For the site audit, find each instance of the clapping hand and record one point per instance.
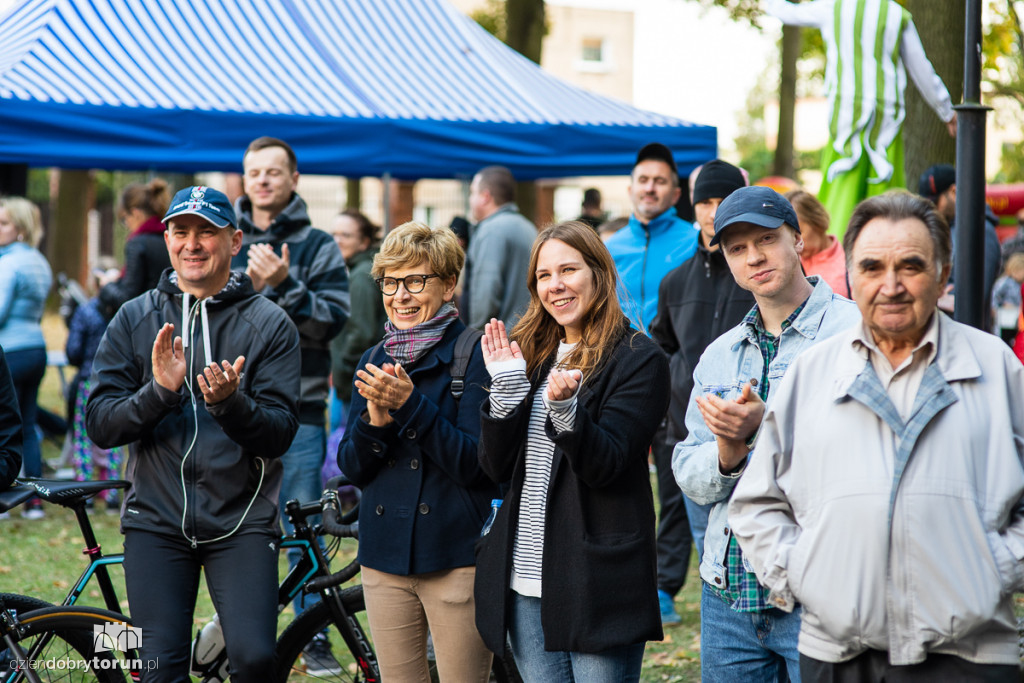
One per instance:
(385, 388)
(495, 344)
(265, 267)
(220, 381)
(732, 423)
(168, 359)
(562, 384)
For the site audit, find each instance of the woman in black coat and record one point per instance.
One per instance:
(568, 570)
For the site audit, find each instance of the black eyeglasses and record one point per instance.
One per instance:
(414, 284)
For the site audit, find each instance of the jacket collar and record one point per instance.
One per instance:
(294, 217)
(657, 226)
(955, 358)
(806, 324)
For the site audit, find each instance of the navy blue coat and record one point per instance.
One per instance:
(425, 497)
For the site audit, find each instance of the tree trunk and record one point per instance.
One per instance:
(524, 27)
(790, 52)
(524, 33)
(926, 140)
(67, 250)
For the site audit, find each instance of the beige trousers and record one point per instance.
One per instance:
(401, 608)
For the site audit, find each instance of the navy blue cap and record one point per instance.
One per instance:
(936, 180)
(213, 205)
(759, 205)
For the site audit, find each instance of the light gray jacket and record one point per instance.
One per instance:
(496, 264)
(900, 537)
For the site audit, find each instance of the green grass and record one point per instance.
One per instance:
(43, 559)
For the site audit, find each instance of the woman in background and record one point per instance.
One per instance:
(141, 207)
(25, 281)
(356, 238)
(569, 569)
(823, 254)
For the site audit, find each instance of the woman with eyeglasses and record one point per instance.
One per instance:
(411, 446)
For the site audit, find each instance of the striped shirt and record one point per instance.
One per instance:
(509, 387)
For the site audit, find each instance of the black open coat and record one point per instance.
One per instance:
(600, 568)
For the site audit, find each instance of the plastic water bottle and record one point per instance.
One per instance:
(207, 649)
(495, 504)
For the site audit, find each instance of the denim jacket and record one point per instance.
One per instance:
(729, 362)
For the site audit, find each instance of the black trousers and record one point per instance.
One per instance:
(873, 667)
(674, 538)
(162, 578)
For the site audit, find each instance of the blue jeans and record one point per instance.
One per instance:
(537, 665)
(754, 647)
(698, 516)
(27, 369)
(301, 480)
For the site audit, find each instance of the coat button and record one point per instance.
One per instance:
(391, 462)
(380, 509)
(410, 433)
(753, 382)
(415, 464)
(718, 580)
(375, 447)
(725, 531)
(424, 508)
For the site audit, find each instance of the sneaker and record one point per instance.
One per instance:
(668, 609)
(319, 659)
(33, 510)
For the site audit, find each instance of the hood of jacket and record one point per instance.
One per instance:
(294, 217)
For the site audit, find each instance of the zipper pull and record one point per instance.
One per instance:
(195, 543)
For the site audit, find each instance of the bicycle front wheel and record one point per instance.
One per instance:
(300, 659)
(61, 644)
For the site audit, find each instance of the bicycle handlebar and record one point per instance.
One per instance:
(341, 527)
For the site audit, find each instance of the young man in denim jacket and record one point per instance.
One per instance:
(743, 637)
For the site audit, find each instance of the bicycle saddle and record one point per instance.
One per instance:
(67, 493)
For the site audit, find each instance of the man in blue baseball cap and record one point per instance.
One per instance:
(744, 636)
(202, 374)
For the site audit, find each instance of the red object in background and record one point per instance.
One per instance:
(780, 184)
(1005, 200)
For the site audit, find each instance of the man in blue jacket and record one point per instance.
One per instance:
(654, 242)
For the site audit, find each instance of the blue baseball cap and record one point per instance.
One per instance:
(759, 205)
(213, 205)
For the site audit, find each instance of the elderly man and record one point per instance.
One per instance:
(744, 637)
(885, 491)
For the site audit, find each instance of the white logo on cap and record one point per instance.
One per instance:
(198, 192)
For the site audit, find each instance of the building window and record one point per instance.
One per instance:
(593, 50)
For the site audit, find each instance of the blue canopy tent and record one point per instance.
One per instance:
(359, 87)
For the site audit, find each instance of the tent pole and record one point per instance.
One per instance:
(386, 179)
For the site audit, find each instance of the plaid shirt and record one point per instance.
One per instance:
(742, 591)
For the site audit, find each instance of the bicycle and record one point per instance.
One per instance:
(43, 642)
(337, 611)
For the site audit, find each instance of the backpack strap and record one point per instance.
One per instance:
(468, 339)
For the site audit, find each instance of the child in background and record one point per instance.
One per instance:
(87, 326)
(1006, 297)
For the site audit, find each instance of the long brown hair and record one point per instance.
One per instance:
(603, 322)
